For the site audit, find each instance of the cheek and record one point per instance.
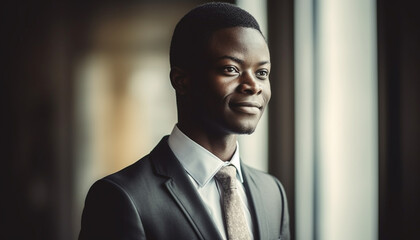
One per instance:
(220, 88)
(267, 92)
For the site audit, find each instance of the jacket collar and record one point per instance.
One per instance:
(182, 191)
(199, 163)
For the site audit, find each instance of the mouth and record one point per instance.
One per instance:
(251, 108)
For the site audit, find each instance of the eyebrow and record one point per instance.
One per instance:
(240, 61)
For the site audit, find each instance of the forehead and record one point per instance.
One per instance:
(238, 42)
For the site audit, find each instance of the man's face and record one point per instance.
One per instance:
(233, 89)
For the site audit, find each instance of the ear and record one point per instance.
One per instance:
(180, 80)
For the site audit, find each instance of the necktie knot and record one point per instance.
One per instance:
(227, 177)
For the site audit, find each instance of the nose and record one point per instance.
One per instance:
(249, 84)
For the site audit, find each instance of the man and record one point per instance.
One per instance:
(193, 184)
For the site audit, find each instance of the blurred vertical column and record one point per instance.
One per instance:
(305, 119)
(281, 116)
(399, 118)
(336, 120)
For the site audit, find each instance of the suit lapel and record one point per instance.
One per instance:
(256, 203)
(182, 191)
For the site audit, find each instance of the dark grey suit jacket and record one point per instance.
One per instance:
(154, 199)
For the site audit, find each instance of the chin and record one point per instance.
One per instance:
(243, 128)
(234, 125)
(248, 131)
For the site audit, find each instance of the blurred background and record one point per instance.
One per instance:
(86, 92)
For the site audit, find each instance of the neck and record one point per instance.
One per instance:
(221, 145)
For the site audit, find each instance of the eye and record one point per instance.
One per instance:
(262, 74)
(230, 70)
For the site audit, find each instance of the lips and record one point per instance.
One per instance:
(246, 107)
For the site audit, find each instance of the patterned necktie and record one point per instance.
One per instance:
(236, 225)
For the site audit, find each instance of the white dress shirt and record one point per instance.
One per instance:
(201, 166)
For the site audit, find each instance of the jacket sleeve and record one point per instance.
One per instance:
(110, 213)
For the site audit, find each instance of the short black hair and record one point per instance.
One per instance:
(193, 31)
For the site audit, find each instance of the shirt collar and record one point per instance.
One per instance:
(199, 163)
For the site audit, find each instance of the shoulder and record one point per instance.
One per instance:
(138, 171)
(143, 177)
(110, 212)
(122, 182)
(136, 180)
